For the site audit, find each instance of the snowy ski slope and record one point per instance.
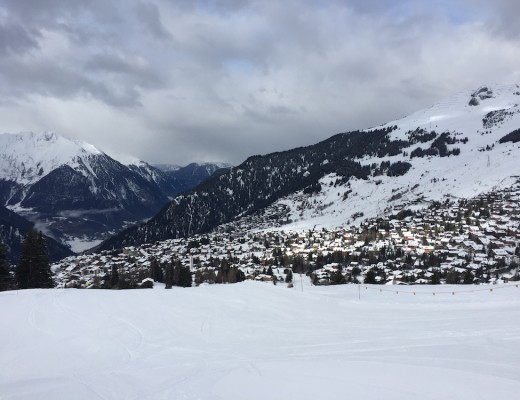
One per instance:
(259, 341)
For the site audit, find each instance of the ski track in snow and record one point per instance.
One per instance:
(259, 341)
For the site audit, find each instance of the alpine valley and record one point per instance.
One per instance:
(79, 195)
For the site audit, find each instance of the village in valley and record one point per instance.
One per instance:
(457, 241)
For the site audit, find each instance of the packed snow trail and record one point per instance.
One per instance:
(259, 341)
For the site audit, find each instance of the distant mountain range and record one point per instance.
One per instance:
(457, 148)
(78, 194)
(188, 177)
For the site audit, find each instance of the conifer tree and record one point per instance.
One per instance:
(43, 270)
(468, 278)
(185, 278)
(232, 275)
(370, 277)
(337, 278)
(156, 272)
(176, 281)
(220, 276)
(168, 276)
(6, 280)
(435, 279)
(288, 277)
(224, 266)
(23, 271)
(33, 269)
(114, 277)
(241, 277)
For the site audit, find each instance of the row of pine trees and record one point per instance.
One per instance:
(33, 269)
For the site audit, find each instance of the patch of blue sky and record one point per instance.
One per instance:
(239, 66)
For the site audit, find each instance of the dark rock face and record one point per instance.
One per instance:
(167, 186)
(7, 190)
(482, 93)
(474, 101)
(182, 179)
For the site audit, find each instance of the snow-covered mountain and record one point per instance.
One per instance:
(476, 120)
(71, 188)
(26, 157)
(459, 147)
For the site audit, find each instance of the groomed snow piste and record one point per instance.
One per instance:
(259, 341)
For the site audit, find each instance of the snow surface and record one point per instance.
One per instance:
(127, 160)
(259, 341)
(26, 157)
(80, 244)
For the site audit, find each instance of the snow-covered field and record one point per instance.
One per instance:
(259, 341)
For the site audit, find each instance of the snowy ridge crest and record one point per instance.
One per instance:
(26, 157)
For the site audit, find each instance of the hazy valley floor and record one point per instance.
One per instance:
(259, 341)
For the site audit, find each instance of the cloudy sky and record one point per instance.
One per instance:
(220, 80)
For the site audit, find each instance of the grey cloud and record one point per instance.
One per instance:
(23, 79)
(150, 18)
(136, 70)
(224, 79)
(216, 6)
(29, 10)
(502, 16)
(15, 38)
(80, 50)
(84, 22)
(42, 12)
